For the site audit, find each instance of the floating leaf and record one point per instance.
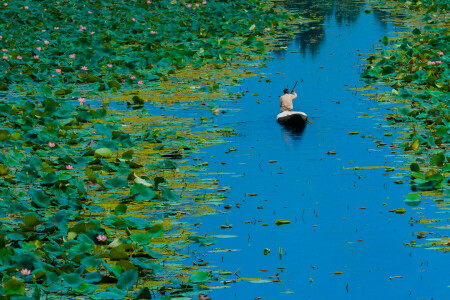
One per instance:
(103, 153)
(14, 287)
(199, 277)
(127, 279)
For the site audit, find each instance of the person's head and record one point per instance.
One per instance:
(286, 91)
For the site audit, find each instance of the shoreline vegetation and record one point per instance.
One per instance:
(417, 67)
(92, 199)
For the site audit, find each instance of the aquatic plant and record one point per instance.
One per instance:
(107, 44)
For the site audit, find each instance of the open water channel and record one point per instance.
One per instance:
(340, 219)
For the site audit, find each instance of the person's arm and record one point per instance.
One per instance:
(294, 95)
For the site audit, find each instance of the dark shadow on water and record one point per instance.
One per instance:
(295, 132)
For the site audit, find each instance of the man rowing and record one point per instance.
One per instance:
(286, 100)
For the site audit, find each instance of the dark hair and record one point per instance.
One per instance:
(286, 91)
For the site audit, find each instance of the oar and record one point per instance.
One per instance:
(294, 86)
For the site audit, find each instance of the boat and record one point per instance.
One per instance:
(292, 118)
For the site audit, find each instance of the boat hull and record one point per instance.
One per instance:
(292, 118)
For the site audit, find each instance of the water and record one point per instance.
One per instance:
(339, 216)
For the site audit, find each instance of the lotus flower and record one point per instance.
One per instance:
(51, 145)
(101, 238)
(84, 68)
(69, 167)
(81, 100)
(25, 272)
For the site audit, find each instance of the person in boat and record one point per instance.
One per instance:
(286, 100)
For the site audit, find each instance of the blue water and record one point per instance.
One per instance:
(310, 188)
(340, 219)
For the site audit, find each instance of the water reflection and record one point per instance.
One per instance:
(293, 132)
(345, 12)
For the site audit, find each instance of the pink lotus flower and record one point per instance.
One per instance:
(51, 145)
(438, 62)
(43, 30)
(92, 32)
(84, 68)
(441, 53)
(5, 57)
(140, 82)
(81, 100)
(189, 5)
(152, 32)
(26, 7)
(431, 63)
(133, 19)
(25, 272)
(72, 55)
(109, 65)
(82, 28)
(39, 48)
(46, 42)
(5, 4)
(5, 50)
(56, 28)
(58, 71)
(69, 167)
(19, 57)
(36, 56)
(90, 12)
(267, 29)
(101, 238)
(204, 2)
(133, 77)
(197, 4)
(1, 37)
(149, 1)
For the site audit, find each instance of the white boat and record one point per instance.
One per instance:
(292, 118)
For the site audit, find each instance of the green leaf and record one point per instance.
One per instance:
(103, 153)
(140, 238)
(120, 209)
(4, 170)
(91, 175)
(282, 222)
(128, 155)
(4, 135)
(14, 287)
(413, 199)
(116, 182)
(168, 194)
(156, 230)
(199, 277)
(40, 199)
(144, 293)
(414, 167)
(72, 280)
(157, 181)
(145, 193)
(127, 279)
